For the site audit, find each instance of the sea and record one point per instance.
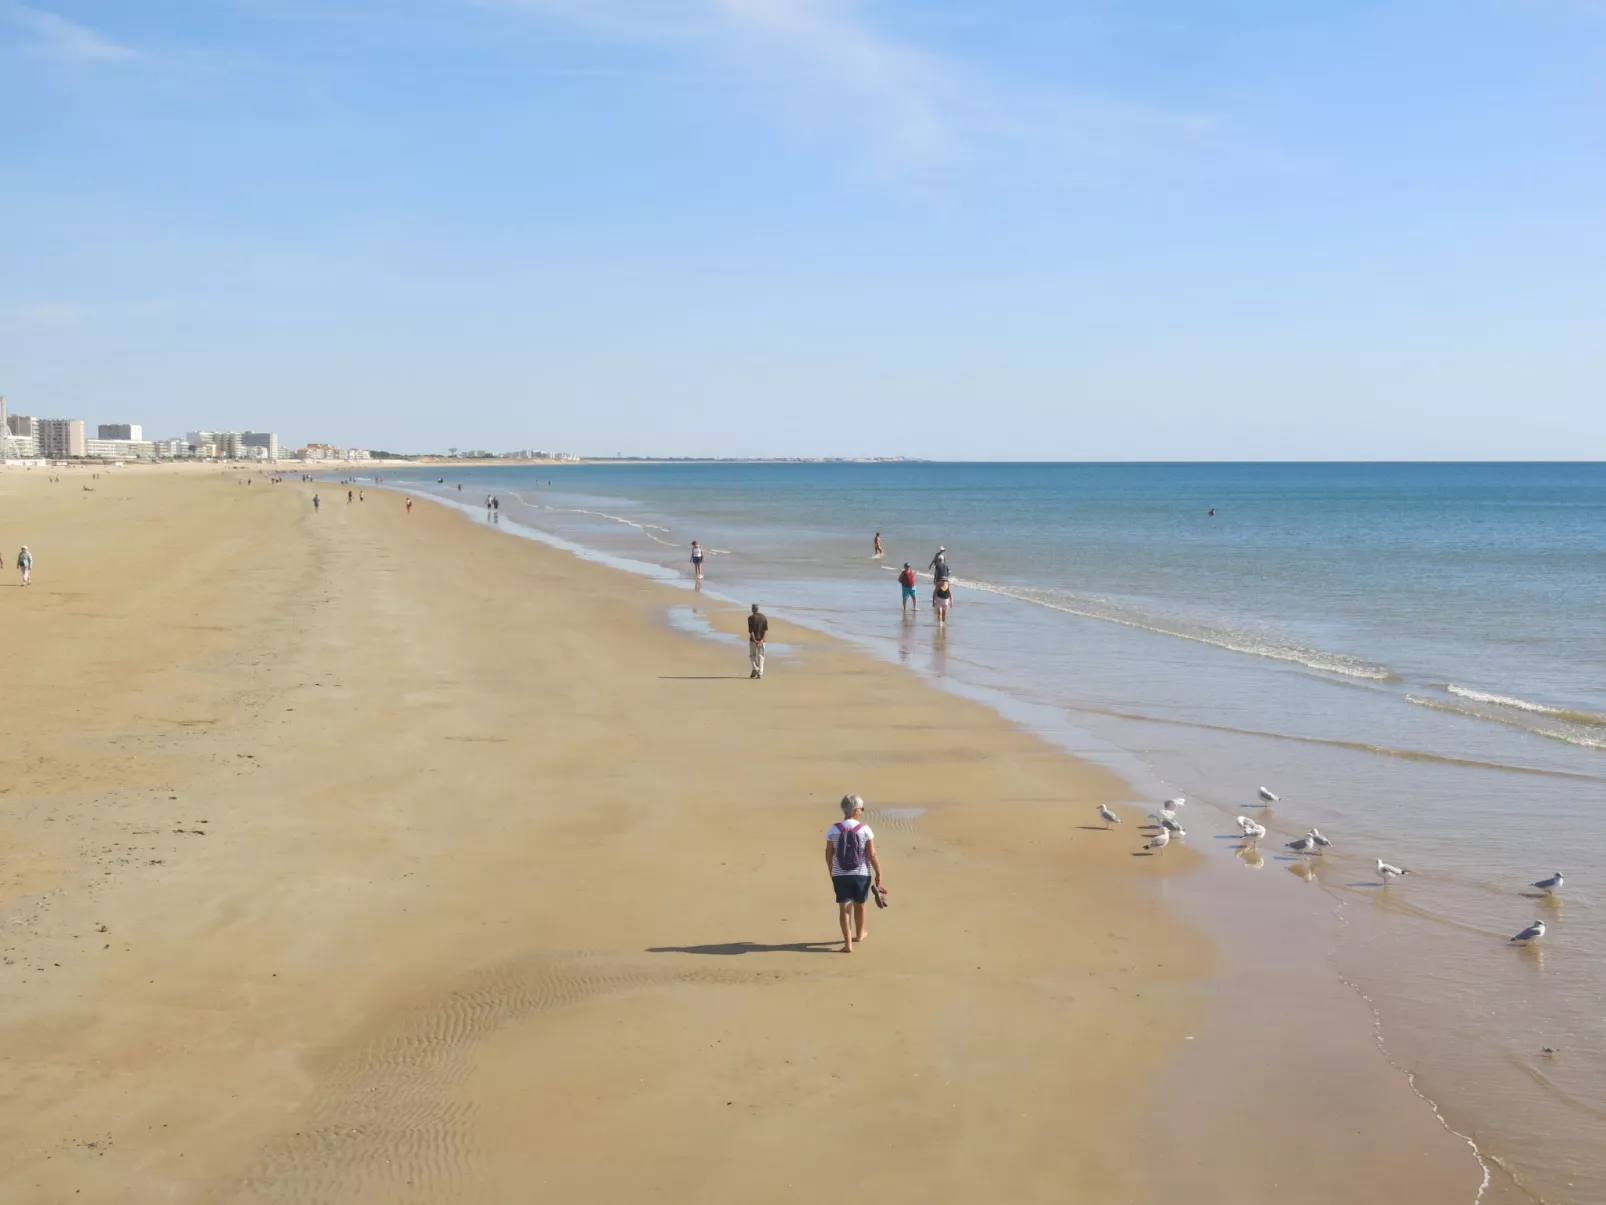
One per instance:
(1412, 657)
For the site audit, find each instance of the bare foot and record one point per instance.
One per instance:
(861, 937)
(846, 949)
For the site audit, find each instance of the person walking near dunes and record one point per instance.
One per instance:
(850, 857)
(906, 580)
(25, 565)
(697, 560)
(758, 626)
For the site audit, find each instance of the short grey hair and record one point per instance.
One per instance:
(851, 804)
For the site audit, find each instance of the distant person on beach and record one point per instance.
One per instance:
(906, 580)
(878, 549)
(942, 597)
(316, 502)
(409, 506)
(1212, 512)
(349, 498)
(25, 565)
(850, 858)
(758, 626)
(939, 565)
(697, 561)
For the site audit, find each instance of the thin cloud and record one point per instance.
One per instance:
(825, 52)
(65, 40)
(42, 313)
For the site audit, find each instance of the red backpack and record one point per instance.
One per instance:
(906, 578)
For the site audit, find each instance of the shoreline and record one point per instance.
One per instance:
(351, 859)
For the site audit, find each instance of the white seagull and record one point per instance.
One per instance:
(1303, 846)
(1532, 933)
(1266, 796)
(1108, 816)
(1252, 831)
(1159, 841)
(1389, 872)
(1173, 804)
(1550, 884)
(1316, 836)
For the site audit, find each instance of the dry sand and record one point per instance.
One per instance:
(371, 857)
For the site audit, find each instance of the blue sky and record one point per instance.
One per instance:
(1150, 229)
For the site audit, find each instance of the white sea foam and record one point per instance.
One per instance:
(1566, 713)
(1236, 642)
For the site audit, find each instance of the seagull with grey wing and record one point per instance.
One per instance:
(1532, 933)
(1552, 884)
(1159, 841)
(1390, 872)
(1267, 797)
(1251, 830)
(1322, 843)
(1303, 847)
(1108, 816)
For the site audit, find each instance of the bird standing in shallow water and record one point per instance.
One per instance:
(1532, 933)
(1322, 843)
(1303, 846)
(1267, 797)
(1550, 884)
(1389, 872)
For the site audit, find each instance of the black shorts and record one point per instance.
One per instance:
(851, 888)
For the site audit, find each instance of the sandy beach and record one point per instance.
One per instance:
(365, 856)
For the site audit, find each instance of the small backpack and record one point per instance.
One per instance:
(850, 847)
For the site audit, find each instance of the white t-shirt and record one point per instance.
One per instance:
(836, 863)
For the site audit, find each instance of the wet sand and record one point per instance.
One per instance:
(374, 857)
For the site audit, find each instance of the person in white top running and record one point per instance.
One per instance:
(850, 856)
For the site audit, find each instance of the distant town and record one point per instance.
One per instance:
(25, 439)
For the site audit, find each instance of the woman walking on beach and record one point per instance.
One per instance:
(942, 596)
(25, 565)
(850, 858)
(697, 559)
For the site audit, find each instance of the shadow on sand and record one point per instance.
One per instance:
(752, 947)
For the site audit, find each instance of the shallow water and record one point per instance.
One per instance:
(1412, 656)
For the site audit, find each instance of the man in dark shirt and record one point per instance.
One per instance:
(757, 625)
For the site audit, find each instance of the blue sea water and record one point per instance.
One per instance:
(1412, 655)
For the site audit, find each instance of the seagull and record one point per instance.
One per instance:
(1171, 826)
(1252, 831)
(1266, 796)
(1389, 872)
(1108, 816)
(1550, 884)
(1159, 841)
(1177, 802)
(1303, 846)
(1316, 836)
(1532, 933)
